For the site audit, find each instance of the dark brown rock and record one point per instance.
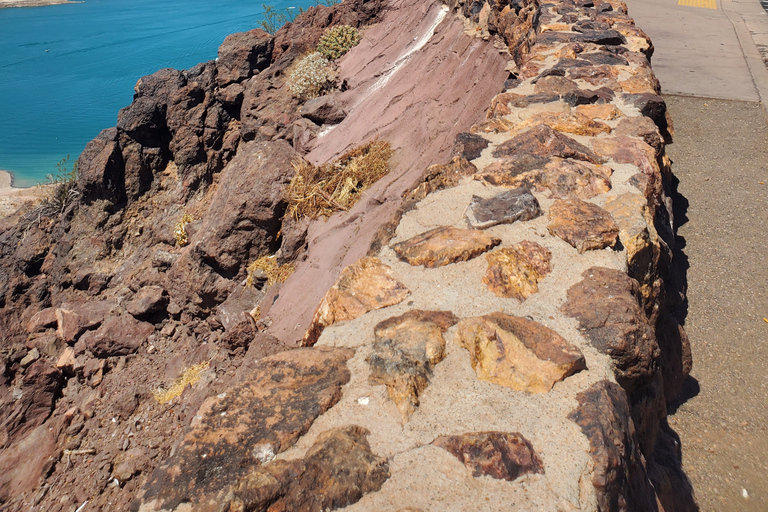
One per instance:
(653, 106)
(555, 85)
(100, 168)
(148, 300)
(515, 271)
(441, 176)
(505, 208)
(40, 387)
(324, 110)
(117, 336)
(519, 170)
(405, 350)
(443, 246)
(245, 215)
(242, 55)
(518, 353)
(469, 145)
(542, 141)
(238, 305)
(584, 225)
(644, 128)
(501, 455)
(336, 471)
(606, 304)
(618, 475)
(238, 431)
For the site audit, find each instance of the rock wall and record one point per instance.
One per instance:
(493, 326)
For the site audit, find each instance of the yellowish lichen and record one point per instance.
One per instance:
(268, 265)
(190, 376)
(180, 232)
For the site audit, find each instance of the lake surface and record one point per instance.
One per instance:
(66, 70)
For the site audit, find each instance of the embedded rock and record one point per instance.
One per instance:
(242, 55)
(625, 150)
(38, 391)
(505, 208)
(443, 246)
(324, 110)
(117, 336)
(149, 300)
(238, 431)
(565, 122)
(518, 353)
(644, 128)
(405, 350)
(469, 146)
(606, 111)
(584, 225)
(544, 142)
(335, 472)
(42, 319)
(441, 176)
(619, 475)
(501, 455)
(574, 178)
(73, 319)
(237, 307)
(518, 170)
(363, 286)
(606, 304)
(245, 215)
(629, 212)
(514, 272)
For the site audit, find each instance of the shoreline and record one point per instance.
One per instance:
(12, 198)
(32, 3)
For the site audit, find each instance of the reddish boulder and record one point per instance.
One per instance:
(117, 336)
(242, 55)
(39, 389)
(443, 246)
(544, 142)
(584, 225)
(501, 455)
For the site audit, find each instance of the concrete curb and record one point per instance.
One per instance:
(757, 68)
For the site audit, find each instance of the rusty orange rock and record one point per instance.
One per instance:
(606, 111)
(518, 353)
(405, 351)
(574, 178)
(584, 225)
(443, 246)
(565, 122)
(363, 286)
(514, 272)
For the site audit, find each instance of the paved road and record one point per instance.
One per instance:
(720, 155)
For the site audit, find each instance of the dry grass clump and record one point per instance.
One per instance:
(337, 186)
(180, 232)
(190, 376)
(312, 76)
(267, 266)
(337, 41)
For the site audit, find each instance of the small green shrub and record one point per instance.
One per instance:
(337, 41)
(62, 186)
(311, 77)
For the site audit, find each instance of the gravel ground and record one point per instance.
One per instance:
(720, 155)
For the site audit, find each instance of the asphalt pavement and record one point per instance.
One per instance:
(709, 59)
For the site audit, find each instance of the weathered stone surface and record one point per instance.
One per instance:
(565, 122)
(555, 85)
(627, 150)
(117, 336)
(443, 246)
(505, 208)
(605, 303)
(653, 106)
(236, 432)
(605, 111)
(336, 471)
(518, 353)
(618, 474)
(515, 272)
(643, 127)
(542, 141)
(441, 176)
(238, 305)
(66, 360)
(603, 37)
(42, 319)
(324, 110)
(519, 170)
(363, 286)
(574, 178)
(584, 225)
(73, 319)
(148, 300)
(469, 145)
(39, 389)
(243, 54)
(629, 212)
(501, 455)
(405, 350)
(245, 215)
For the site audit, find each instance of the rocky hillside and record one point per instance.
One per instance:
(492, 326)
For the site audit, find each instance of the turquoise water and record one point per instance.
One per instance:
(66, 70)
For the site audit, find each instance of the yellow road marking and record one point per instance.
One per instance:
(705, 4)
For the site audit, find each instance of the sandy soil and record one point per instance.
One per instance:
(11, 198)
(32, 3)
